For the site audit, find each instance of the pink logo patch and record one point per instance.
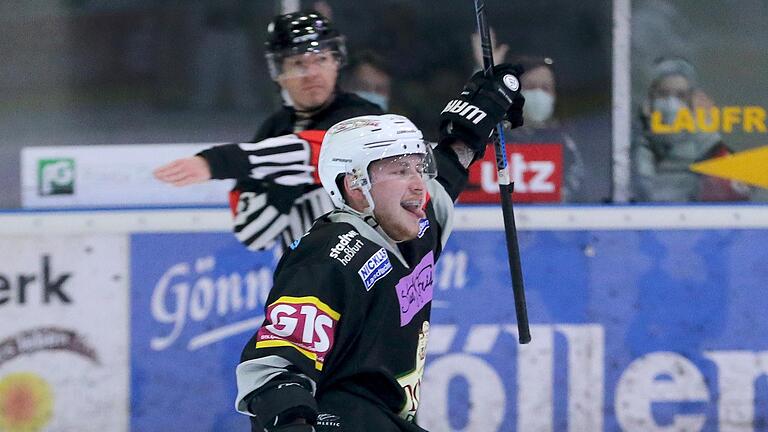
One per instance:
(414, 291)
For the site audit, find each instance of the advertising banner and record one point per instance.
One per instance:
(64, 333)
(632, 330)
(536, 169)
(196, 299)
(110, 175)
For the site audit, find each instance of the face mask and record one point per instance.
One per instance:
(378, 99)
(669, 107)
(539, 105)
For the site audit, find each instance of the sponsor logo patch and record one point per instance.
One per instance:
(303, 323)
(423, 226)
(375, 268)
(414, 291)
(346, 248)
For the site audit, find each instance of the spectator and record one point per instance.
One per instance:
(661, 159)
(541, 127)
(276, 194)
(369, 77)
(539, 89)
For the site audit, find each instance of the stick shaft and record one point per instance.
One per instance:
(506, 187)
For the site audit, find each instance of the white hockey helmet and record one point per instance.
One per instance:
(350, 146)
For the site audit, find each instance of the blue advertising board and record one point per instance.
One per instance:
(633, 330)
(195, 300)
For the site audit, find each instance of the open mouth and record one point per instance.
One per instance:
(414, 207)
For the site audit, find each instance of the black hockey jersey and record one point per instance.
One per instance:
(349, 310)
(272, 199)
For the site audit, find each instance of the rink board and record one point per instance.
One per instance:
(64, 305)
(642, 326)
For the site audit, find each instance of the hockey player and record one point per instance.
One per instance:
(343, 343)
(277, 193)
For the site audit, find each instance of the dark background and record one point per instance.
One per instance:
(83, 72)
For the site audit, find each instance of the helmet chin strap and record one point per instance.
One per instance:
(367, 213)
(368, 217)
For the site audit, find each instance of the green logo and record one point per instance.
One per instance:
(56, 176)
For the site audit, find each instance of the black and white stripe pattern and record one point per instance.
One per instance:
(306, 209)
(257, 223)
(283, 160)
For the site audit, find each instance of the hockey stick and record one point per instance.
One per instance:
(506, 187)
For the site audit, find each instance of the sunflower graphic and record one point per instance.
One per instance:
(26, 403)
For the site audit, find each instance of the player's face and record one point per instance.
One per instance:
(309, 79)
(399, 194)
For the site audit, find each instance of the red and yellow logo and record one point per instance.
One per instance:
(303, 323)
(26, 403)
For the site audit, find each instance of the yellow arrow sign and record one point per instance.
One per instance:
(750, 167)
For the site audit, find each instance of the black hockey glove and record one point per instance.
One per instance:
(284, 400)
(483, 103)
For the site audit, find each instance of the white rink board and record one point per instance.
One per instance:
(72, 344)
(110, 176)
(483, 218)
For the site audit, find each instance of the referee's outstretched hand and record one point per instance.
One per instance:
(183, 172)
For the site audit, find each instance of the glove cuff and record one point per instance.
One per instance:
(451, 131)
(291, 400)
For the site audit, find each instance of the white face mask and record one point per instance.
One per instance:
(669, 107)
(379, 99)
(539, 105)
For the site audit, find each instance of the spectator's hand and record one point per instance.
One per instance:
(499, 51)
(183, 172)
(472, 116)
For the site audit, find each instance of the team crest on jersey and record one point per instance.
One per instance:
(375, 268)
(423, 226)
